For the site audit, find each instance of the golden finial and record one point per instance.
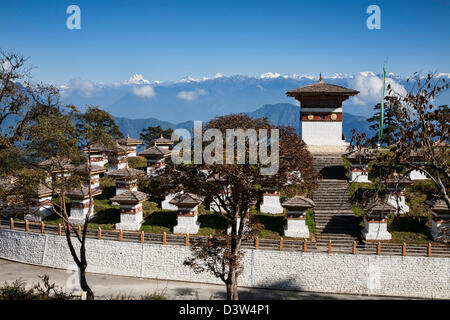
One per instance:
(320, 78)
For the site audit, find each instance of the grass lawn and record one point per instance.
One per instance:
(411, 228)
(157, 220)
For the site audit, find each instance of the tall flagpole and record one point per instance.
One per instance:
(380, 127)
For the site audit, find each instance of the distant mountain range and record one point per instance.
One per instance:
(203, 99)
(285, 114)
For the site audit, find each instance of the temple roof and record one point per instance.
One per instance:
(83, 192)
(298, 202)
(95, 169)
(438, 205)
(163, 140)
(155, 151)
(400, 180)
(54, 163)
(126, 173)
(379, 206)
(130, 141)
(119, 149)
(188, 199)
(131, 196)
(96, 148)
(42, 190)
(322, 88)
(364, 155)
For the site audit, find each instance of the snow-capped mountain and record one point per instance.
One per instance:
(204, 98)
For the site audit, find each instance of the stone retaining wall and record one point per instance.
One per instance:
(426, 277)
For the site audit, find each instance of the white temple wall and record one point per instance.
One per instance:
(271, 204)
(328, 133)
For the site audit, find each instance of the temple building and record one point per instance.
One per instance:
(321, 112)
(415, 159)
(164, 143)
(271, 201)
(375, 221)
(296, 216)
(98, 156)
(359, 165)
(132, 143)
(165, 203)
(187, 219)
(156, 157)
(440, 224)
(79, 204)
(118, 157)
(126, 179)
(131, 212)
(40, 204)
(396, 191)
(96, 171)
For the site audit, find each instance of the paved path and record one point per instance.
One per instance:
(107, 286)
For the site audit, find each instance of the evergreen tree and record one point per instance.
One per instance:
(390, 125)
(150, 134)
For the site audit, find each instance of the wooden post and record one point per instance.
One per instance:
(404, 249)
(429, 250)
(329, 246)
(59, 229)
(256, 243)
(27, 225)
(120, 235)
(281, 243)
(186, 240)
(354, 247)
(378, 248)
(79, 231)
(42, 227)
(164, 238)
(210, 239)
(305, 245)
(142, 237)
(11, 223)
(99, 233)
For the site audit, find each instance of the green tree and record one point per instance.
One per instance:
(235, 187)
(150, 134)
(59, 139)
(422, 139)
(389, 124)
(21, 102)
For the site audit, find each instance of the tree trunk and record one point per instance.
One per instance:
(83, 282)
(231, 284)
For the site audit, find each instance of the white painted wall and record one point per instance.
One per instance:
(426, 277)
(328, 133)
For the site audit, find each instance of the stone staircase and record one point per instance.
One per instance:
(334, 217)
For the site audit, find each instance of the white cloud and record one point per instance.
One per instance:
(137, 79)
(85, 87)
(369, 86)
(144, 91)
(191, 95)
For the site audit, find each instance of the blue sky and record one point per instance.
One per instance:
(170, 39)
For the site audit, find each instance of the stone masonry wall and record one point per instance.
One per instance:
(426, 277)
